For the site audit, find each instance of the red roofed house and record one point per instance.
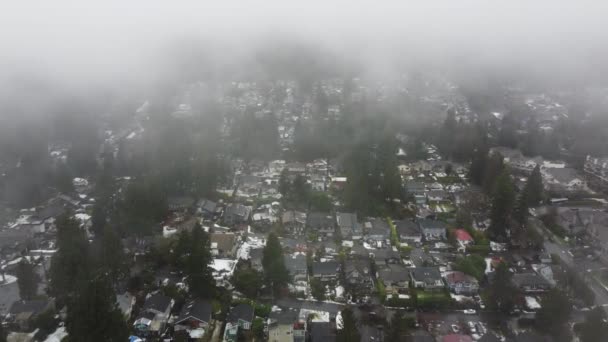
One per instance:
(463, 237)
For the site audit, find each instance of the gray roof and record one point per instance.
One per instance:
(394, 273)
(157, 302)
(180, 202)
(34, 306)
(407, 228)
(237, 209)
(295, 263)
(242, 312)
(325, 268)
(529, 279)
(207, 205)
(431, 224)
(346, 219)
(563, 175)
(317, 220)
(198, 309)
(426, 274)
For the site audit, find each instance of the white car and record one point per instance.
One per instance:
(469, 311)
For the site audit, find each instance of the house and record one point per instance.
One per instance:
(385, 256)
(296, 265)
(241, 316)
(23, 313)
(563, 179)
(408, 231)
(349, 226)
(223, 245)
(255, 257)
(530, 283)
(377, 230)
(209, 210)
(180, 203)
(321, 223)
(281, 324)
(195, 315)
(325, 271)
(125, 302)
(415, 188)
(432, 229)
(236, 213)
(294, 221)
(395, 278)
(357, 277)
(463, 237)
(428, 278)
(154, 314)
(437, 195)
(461, 283)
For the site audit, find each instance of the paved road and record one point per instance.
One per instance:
(601, 294)
(310, 305)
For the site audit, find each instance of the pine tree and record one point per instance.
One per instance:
(200, 276)
(554, 312)
(398, 329)
(478, 165)
(501, 291)
(2, 334)
(27, 280)
(93, 314)
(113, 260)
(493, 169)
(349, 331)
(594, 328)
(520, 215)
(70, 266)
(534, 187)
(284, 184)
(275, 272)
(502, 206)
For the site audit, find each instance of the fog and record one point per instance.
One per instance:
(76, 43)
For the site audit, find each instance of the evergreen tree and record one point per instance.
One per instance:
(554, 312)
(70, 266)
(27, 280)
(247, 281)
(284, 184)
(478, 165)
(98, 218)
(501, 291)
(349, 331)
(534, 187)
(200, 277)
(447, 134)
(398, 328)
(2, 334)
(594, 328)
(112, 258)
(493, 169)
(317, 289)
(502, 206)
(275, 272)
(93, 314)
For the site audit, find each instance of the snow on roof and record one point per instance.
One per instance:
(532, 303)
(57, 336)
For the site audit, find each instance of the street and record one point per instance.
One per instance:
(556, 248)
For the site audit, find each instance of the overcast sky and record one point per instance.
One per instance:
(102, 40)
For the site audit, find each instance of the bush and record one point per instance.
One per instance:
(479, 249)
